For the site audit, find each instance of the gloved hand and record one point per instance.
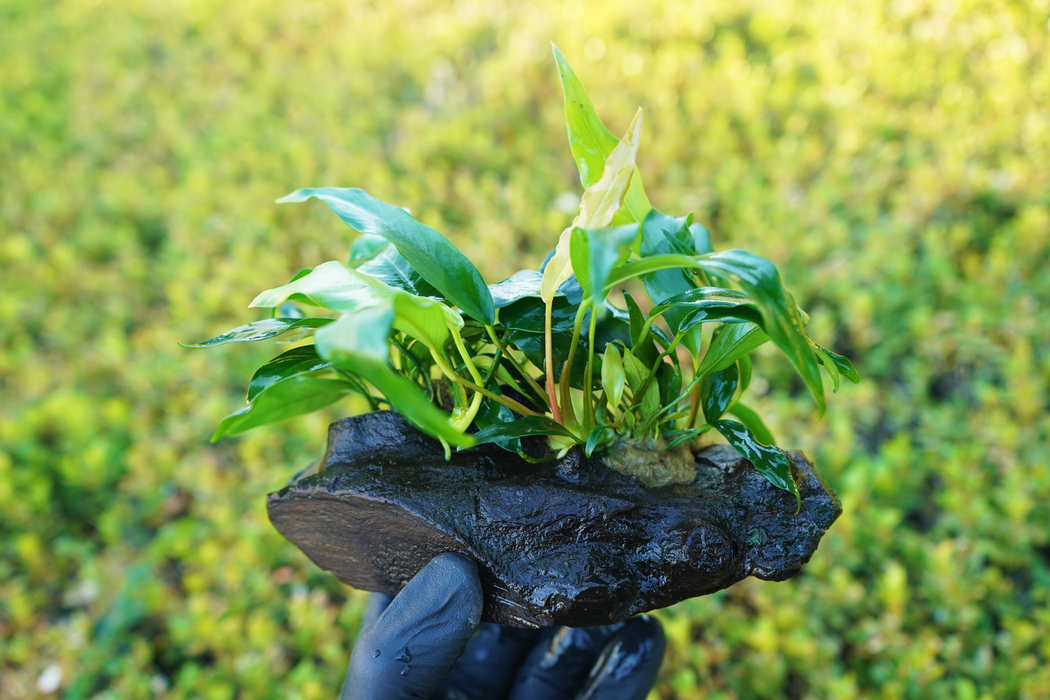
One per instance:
(422, 644)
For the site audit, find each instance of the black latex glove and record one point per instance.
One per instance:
(427, 643)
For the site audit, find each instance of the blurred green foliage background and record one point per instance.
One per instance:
(890, 157)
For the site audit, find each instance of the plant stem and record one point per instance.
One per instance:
(692, 385)
(425, 375)
(588, 377)
(656, 365)
(548, 360)
(505, 400)
(517, 365)
(465, 383)
(475, 404)
(577, 324)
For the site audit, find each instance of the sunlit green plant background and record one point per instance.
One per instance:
(891, 158)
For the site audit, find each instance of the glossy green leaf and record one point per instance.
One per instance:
(391, 268)
(613, 376)
(703, 304)
(291, 397)
(432, 255)
(358, 343)
(425, 319)
(493, 413)
(753, 422)
(527, 315)
(520, 285)
(717, 392)
(656, 233)
(592, 143)
(638, 268)
(731, 342)
(744, 365)
(770, 461)
(410, 401)
(669, 378)
(522, 427)
(782, 321)
(366, 246)
(357, 335)
(637, 373)
(643, 347)
(337, 287)
(836, 364)
(331, 285)
(295, 361)
(701, 239)
(260, 330)
(760, 279)
(600, 438)
(595, 252)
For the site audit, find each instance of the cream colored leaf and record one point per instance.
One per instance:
(600, 202)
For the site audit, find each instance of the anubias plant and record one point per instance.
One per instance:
(410, 323)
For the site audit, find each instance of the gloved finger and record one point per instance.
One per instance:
(489, 663)
(558, 666)
(377, 603)
(410, 648)
(627, 667)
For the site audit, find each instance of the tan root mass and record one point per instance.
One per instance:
(651, 463)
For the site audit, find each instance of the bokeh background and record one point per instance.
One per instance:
(891, 158)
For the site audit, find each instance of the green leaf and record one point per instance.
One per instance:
(260, 330)
(613, 376)
(701, 239)
(601, 436)
(425, 319)
(592, 143)
(432, 255)
(358, 335)
(527, 315)
(658, 230)
(704, 304)
(744, 365)
(753, 422)
(731, 342)
(520, 285)
(637, 268)
(770, 461)
(595, 252)
(337, 287)
(410, 402)
(358, 343)
(493, 413)
(290, 397)
(669, 377)
(331, 285)
(637, 373)
(391, 268)
(837, 364)
(642, 347)
(522, 427)
(366, 246)
(717, 392)
(782, 321)
(295, 361)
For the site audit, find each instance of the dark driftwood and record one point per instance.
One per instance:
(561, 543)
